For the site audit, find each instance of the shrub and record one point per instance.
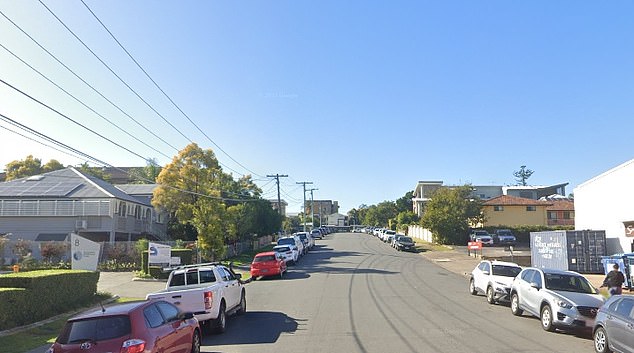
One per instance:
(53, 251)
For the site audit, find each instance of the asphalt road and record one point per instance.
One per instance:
(353, 293)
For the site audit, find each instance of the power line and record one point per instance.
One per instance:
(163, 92)
(279, 200)
(84, 104)
(84, 81)
(304, 183)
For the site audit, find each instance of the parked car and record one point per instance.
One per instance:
(388, 235)
(305, 238)
(288, 254)
(504, 237)
(404, 243)
(482, 236)
(211, 291)
(316, 233)
(268, 264)
(140, 326)
(294, 242)
(494, 279)
(561, 299)
(614, 324)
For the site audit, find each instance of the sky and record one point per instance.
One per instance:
(361, 98)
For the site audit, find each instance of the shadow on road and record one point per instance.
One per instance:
(253, 328)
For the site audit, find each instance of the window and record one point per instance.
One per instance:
(153, 317)
(177, 280)
(498, 208)
(192, 277)
(625, 307)
(206, 276)
(552, 215)
(169, 311)
(567, 215)
(97, 329)
(531, 208)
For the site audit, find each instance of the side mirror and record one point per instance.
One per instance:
(238, 275)
(186, 316)
(535, 285)
(486, 272)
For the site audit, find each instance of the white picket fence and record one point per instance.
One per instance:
(419, 232)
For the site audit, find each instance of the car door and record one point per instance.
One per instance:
(232, 287)
(178, 331)
(157, 329)
(480, 277)
(532, 296)
(619, 325)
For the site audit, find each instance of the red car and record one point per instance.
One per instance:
(267, 264)
(132, 327)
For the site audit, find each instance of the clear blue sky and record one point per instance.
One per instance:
(363, 98)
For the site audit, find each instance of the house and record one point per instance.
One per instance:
(337, 219)
(425, 189)
(561, 212)
(603, 203)
(321, 208)
(50, 206)
(508, 210)
(282, 205)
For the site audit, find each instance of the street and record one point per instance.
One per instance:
(353, 293)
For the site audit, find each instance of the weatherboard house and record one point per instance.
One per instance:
(51, 206)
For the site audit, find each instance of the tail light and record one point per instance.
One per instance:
(208, 297)
(133, 346)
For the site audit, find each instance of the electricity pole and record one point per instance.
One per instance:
(304, 184)
(279, 200)
(312, 209)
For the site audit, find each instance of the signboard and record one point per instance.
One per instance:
(159, 253)
(175, 260)
(629, 228)
(474, 245)
(85, 253)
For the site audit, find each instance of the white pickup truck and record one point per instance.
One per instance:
(210, 291)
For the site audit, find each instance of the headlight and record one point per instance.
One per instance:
(563, 304)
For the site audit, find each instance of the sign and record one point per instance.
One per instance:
(474, 245)
(85, 253)
(175, 260)
(629, 228)
(159, 253)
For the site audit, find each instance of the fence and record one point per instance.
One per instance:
(420, 233)
(13, 251)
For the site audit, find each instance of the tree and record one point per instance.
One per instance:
(52, 165)
(24, 168)
(449, 214)
(147, 174)
(379, 215)
(405, 203)
(97, 172)
(405, 218)
(522, 175)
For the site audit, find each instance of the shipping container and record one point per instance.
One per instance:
(573, 250)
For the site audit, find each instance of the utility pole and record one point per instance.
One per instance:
(304, 184)
(312, 209)
(279, 200)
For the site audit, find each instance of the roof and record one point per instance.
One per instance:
(561, 205)
(615, 169)
(266, 253)
(63, 183)
(137, 189)
(506, 200)
(115, 309)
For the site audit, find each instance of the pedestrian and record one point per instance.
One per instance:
(614, 280)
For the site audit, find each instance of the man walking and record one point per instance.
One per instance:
(614, 280)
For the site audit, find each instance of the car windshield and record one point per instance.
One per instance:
(282, 249)
(286, 241)
(95, 329)
(568, 283)
(405, 240)
(506, 271)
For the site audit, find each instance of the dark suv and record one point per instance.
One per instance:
(504, 237)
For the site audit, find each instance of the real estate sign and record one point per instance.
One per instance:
(159, 253)
(85, 253)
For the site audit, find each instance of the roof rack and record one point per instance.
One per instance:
(180, 267)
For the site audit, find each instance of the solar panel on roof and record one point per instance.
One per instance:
(48, 189)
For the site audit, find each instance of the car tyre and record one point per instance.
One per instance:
(490, 295)
(196, 342)
(547, 318)
(472, 288)
(242, 308)
(601, 341)
(221, 321)
(515, 305)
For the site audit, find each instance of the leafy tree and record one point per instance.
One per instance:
(147, 174)
(522, 175)
(406, 218)
(183, 231)
(52, 165)
(24, 168)
(450, 212)
(292, 224)
(379, 215)
(405, 204)
(97, 172)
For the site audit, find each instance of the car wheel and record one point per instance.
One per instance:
(472, 288)
(196, 342)
(221, 321)
(547, 319)
(601, 341)
(515, 305)
(243, 304)
(490, 295)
